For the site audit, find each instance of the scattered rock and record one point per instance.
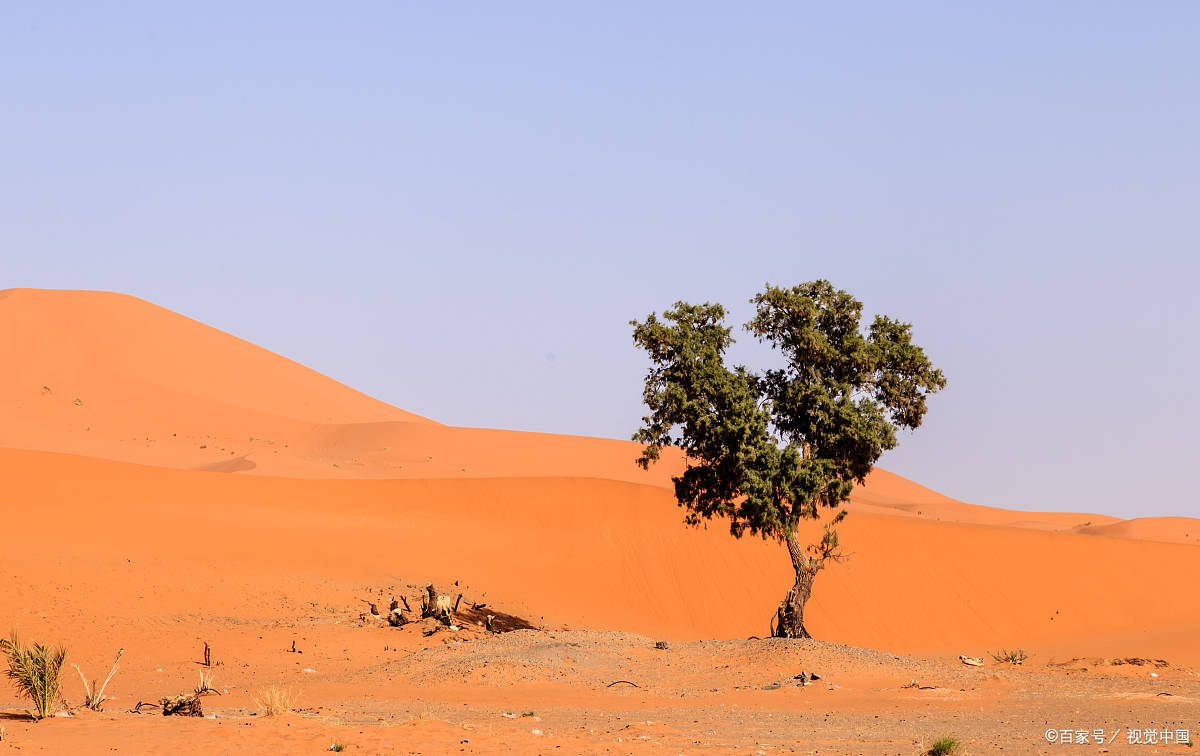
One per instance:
(1139, 662)
(429, 626)
(400, 618)
(661, 645)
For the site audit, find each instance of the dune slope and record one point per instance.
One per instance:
(112, 376)
(106, 374)
(116, 377)
(254, 474)
(580, 552)
(121, 353)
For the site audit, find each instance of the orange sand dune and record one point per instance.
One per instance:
(87, 358)
(112, 376)
(115, 377)
(582, 552)
(1164, 529)
(888, 493)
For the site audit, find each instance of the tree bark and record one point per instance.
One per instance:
(429, 601)
(789, 617)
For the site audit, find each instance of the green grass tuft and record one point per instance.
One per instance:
(943, 747)
(36, 670)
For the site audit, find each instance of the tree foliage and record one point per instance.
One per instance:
(767, 448)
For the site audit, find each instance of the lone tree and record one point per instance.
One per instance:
(769, 449)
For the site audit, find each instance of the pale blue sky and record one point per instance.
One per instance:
(458, 207)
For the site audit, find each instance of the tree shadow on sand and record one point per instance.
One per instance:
(501, 622)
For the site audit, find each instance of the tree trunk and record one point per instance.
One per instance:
(789, 617)
(429, 601)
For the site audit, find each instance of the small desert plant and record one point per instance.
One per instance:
(205, 684)
(337, 747)
(94, 692)
(274, 701)
(37, 672)
(1012, 656)
(942, 747)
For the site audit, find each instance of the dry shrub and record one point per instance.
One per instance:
(94, 691)
(205, 684)
(274, 700)
(1011, 656)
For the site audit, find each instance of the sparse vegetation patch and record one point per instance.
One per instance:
(943, 746)
(36, 670)
(1011, 656)
(275, 701)
(94, 691)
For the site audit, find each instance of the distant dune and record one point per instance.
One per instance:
(112, 376)
(123, 353)
(116, 416)
(1164, 529)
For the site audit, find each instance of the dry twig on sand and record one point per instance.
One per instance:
(94, 692)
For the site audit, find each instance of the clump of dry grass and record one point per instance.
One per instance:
(205, 684)
(36, 670)
(94, 692)
(274, 700)
(1011, 656)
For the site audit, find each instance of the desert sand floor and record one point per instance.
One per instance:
(168, 485)
(382, 690)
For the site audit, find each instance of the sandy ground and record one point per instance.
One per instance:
(168, 485)
(386, 690)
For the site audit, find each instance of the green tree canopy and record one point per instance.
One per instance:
(766, 449)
